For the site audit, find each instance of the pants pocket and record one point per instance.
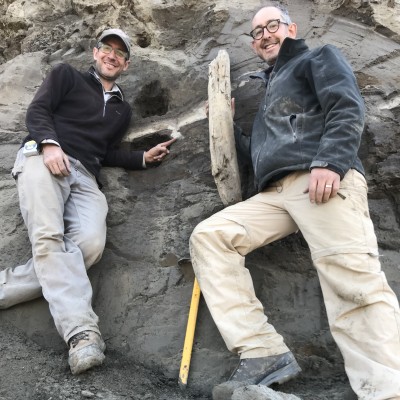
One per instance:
(18, 164)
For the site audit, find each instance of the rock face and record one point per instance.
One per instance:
(141, 292)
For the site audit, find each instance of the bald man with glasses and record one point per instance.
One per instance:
(303, 149)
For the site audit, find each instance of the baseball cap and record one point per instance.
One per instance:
(121, 34)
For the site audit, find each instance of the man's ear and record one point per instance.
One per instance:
(127, 62)
(292, 30)
(95, 52)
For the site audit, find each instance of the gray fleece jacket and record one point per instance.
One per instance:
(312, 115)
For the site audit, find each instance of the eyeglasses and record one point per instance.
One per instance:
(106, 49)
(272, 26)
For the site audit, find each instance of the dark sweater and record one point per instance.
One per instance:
(69, 108)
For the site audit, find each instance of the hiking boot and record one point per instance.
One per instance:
(266, 370)
(85, 351)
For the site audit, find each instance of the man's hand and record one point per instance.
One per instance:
(323, 184)
(157, 153)
(55, 160)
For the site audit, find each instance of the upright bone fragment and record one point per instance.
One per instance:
(224, 166)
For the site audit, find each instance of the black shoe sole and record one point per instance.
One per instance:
(282, 375)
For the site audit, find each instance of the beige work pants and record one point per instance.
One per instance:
(362, 309)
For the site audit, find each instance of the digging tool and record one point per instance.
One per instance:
(190, 329)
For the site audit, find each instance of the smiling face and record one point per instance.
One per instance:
(109, 66)
(267, 48)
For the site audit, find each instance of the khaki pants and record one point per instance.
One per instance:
(66, 222)
(362, 309)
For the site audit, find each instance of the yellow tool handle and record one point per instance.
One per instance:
(188, 345)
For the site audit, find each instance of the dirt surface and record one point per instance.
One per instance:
(30, 372)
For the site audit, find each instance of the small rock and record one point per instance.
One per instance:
(225, 390)
(87, 394)
(260, 392)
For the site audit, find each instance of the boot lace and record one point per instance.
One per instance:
(77, 338)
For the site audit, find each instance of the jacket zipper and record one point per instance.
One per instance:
(113, 95)
(105, 102)
(271, 76)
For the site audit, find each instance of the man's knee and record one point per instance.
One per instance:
(218, 233)
(92, 247)
(202, 232)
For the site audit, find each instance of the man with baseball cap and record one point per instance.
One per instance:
(75, 124)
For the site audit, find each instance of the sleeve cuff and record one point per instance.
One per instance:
(50, 141)
(324, 164)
